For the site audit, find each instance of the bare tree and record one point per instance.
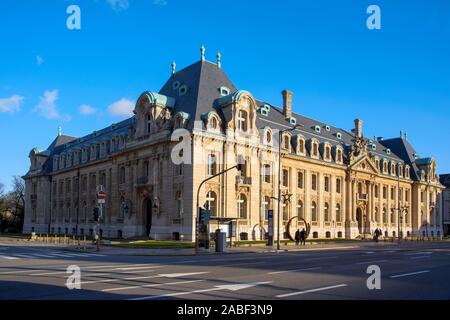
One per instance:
(16, 199)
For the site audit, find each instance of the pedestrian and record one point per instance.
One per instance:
(303, 237)
(297, 237)
(377, 234)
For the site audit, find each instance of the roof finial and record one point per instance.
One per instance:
(174, 65)
(219, 57)
(59, 131)
(202, 51)
(401, 134)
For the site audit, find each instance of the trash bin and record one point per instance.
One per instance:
(221, 240)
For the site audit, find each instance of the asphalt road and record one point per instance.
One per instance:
(408, 271)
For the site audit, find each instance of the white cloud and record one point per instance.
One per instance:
(11, 104)
(161, 3)
(39, 60)
(87, 110)
(123, 107)
(47, 106)
(119, 5)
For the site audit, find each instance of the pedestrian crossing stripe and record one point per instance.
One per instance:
(51, 255)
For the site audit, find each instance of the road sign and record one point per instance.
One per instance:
(101, 195)
(101, 201)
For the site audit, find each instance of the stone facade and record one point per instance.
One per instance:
(341, 183)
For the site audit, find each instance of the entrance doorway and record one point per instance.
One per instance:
(147, 216)
(360, 219)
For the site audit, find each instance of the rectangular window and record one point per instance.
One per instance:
(338, 185)
(266, 173)
(326, 184)
(285, 178)
(314, 182)
(300, 179)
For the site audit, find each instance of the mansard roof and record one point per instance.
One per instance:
(204, 87)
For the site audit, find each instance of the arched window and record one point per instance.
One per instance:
(242, 206)
(285, 178)
(179, 204)
(122, 175)
(313, 212)
(122, 208)
(392, 216)
(265, 207)
(315, 149)
(242, 120)
(338, 213)
(326, 212)
(213, 123)
(300, 210)
(384, 215)
(211, 164)
(211, 202)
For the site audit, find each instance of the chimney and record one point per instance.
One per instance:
(358, 128)
(287, 103)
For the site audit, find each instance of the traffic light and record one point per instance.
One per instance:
(204, 215)
(96, 214)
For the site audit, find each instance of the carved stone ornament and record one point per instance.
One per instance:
(358, 149)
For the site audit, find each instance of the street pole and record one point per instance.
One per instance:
(197, 219)
(398, 206)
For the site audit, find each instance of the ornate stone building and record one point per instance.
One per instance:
(342, 183)
(445, 180)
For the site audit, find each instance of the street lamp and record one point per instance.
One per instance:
(280, 133)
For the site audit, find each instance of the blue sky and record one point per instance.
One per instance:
(396, 78)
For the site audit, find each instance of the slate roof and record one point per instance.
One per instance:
(445, 180)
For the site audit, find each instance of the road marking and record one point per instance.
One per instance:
(167, 275)
(421, 257)
(9, 257)
(408, 274)
(294, 270)
(151, 285)
(416, 253)
(25, 256)
(231, 287)
(311, 290)
(369, 252)
(137, 268)
(240, 264)
(373, 261)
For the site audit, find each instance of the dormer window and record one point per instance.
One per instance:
(286, 142)
(327, 154)
(385, 166)
(224, 91)
(317, 129)
(327, 128)
(393, 169)
(339, 155)
(183, 90)
(176, 85)
(268, 136)
(388, 151)
(301, 145)
(315, 149)
(407, 172)
(338, 135)
(377, 163)
(149, 123)
(242, 120)
(213, 123)
(374, 147)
